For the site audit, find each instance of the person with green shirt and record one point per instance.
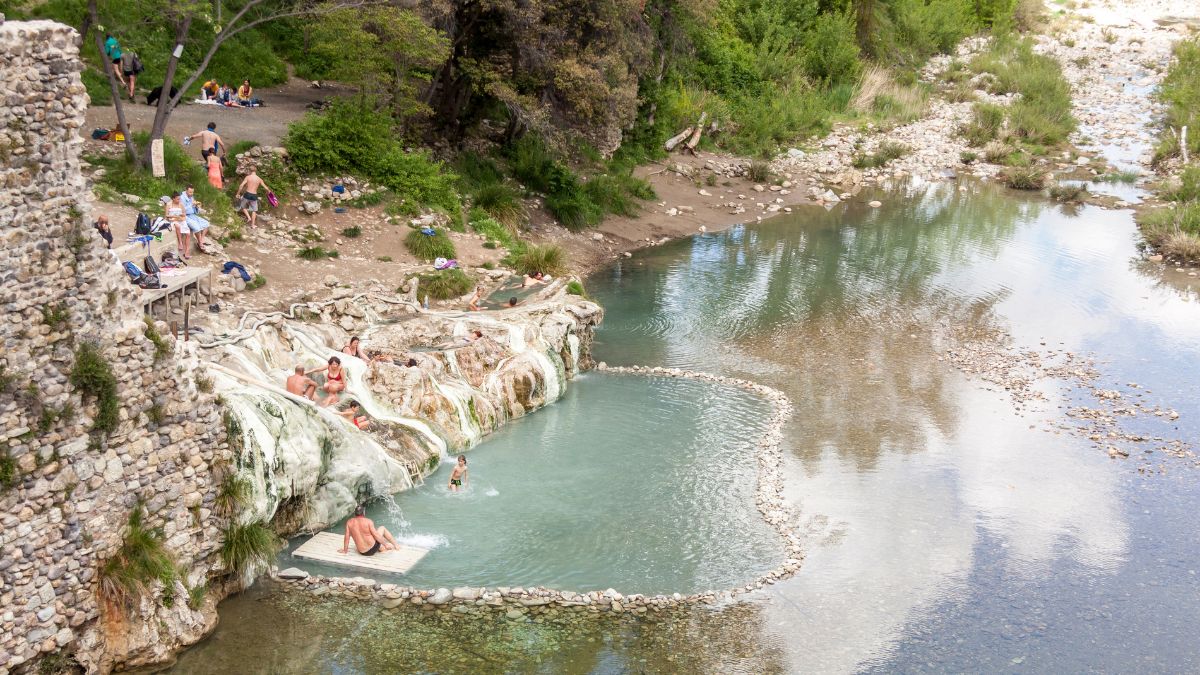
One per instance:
(112, 49)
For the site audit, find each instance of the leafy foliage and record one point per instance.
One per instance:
(247, 547)
(1180, 92)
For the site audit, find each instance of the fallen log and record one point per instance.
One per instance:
(675, 140)
(695, 139)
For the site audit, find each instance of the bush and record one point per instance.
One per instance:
(574, 211)
(887, 151)
(967, 157)
(428, 247)
(314, 253)
(1180, 93)
(576, 288)
(547, 259)
(1025, 178)
(500, 202)
(1188, 189)
(495, 231)
(476, 171)
(831, 52)
(1068, 193)
(141, 560)
(1042, 113)
(247, 547)
(608, 193)
(353, 232)
(986, 123)
(759, 171)
(92, 376)
(444, 284)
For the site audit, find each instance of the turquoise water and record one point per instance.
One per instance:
(947, 528)
(637, 483)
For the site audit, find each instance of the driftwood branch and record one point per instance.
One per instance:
(695, 139)
(677, 139)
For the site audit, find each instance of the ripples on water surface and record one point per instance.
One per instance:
(947, 532)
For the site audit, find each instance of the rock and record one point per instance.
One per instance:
(293, 573)
(441, 596)
(466, 594)
(391, 603)
(311, 208)
(596, 236)
(759, 188)
(513, 614)
(705, 193)
(874, 203)
(795, 153)
(1156, 258)
(132, 199)
(672, 211)
(830, 197)
(330, 280)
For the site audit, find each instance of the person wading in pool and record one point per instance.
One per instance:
(368, 539)
(458, 477)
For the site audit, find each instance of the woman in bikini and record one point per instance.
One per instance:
(176, 215)
(335, 379)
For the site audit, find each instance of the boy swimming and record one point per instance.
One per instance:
(458, 477)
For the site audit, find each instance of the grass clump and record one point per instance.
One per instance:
(312, 253)
(759, 171)
(496, 232)
(233, 494)
(93, 377)
(141, 560)
(1042, 113)
(1025, 178)
(888, 151)
(1127, 177)
(245, 548)
(1070, 194)
(161, 347)
(576, 288)
(547, 259)
(986, 124)
(56, 316)
(429, 247)
(352, 232)
(501, 202)
(1188, 187)
(444, 284)
(257, 282)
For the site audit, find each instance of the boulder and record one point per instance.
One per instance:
(441, 596)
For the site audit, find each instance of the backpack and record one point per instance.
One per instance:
(143, 224)
(135, 273)
(151, 281)
(151, 266)
(137, 65)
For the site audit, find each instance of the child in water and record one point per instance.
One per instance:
(459, 475)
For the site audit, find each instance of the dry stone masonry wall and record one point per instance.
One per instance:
(92, 421)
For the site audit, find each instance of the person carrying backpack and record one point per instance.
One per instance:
(131, 65)
(112, 49)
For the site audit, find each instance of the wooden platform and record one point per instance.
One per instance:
(324, 546)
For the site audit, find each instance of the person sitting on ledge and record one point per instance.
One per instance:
(368, 539)
(353, 413)
(532, 280)
(473, 304)
(301, 384)
(335, 379)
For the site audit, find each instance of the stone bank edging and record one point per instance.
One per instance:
(516, 602)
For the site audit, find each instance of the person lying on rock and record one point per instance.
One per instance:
(368, 539)
(354, 413)
(533, 279)
(301, 384)
(335, 379)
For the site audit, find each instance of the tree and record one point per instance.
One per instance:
(389, 53)
(555, 65)
(92, 18)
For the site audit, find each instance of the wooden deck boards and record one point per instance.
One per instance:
(323, 547)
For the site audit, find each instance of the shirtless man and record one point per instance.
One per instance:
(368, 539)
(209, 140)
(458, 477)
(249, 192)
(301, 384)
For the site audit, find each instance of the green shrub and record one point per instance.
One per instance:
(247, 547)
(1068, 193)
(233, 494)
(576, 288)
(428, 247)
(444, 284)
(1188, 189)
(476, 171)
(257, 282)
(141, 560)
(162, 348)
(8, 469)
(986, 123)
(832, 52)
(500, 202)
(352, 232)
(495, 231)
(547, 259)
(968, 157)
(1180, 93)
(314, 253)
(574, 210)
(538, 169)
(888, 151)
(610, 194)
(1042, 113)
(93, 377)
(1025, 178)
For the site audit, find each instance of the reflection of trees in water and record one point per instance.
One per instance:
(1161, 276)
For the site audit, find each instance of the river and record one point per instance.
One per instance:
(951, 525)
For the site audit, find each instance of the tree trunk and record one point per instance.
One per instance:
(166, 102)
(94, 20)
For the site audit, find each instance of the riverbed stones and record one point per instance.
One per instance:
(441, 596)
(293, 573)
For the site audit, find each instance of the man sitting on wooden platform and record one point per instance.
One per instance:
(368, 539)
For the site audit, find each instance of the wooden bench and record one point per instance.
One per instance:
(178, 283)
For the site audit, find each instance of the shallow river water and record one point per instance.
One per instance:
(949, 528)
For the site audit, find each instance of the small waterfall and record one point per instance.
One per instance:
(573, 345)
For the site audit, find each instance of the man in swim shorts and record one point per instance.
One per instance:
(249, 191)
(368, 539)
(301, 384)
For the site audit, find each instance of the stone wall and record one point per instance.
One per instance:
(66, 489)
